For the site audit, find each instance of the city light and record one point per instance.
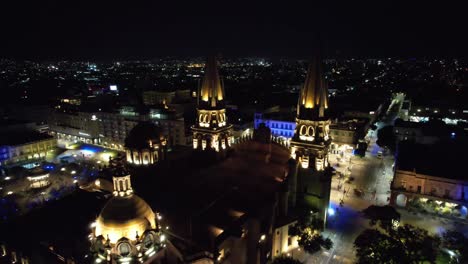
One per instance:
(331, 211)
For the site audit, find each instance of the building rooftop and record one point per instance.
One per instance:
(21, 137)
(214, 197)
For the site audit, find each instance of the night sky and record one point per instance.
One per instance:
(143, 29)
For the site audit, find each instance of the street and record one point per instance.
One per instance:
(369, 184)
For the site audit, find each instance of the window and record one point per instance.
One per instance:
(289, 241)
(403, 184)
(447, 192)
(419, 188)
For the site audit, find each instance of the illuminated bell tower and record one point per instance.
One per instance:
(310, 144)
(211, 130)
(311, 140)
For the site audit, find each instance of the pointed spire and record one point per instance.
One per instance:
(314, 94)
(212, 92)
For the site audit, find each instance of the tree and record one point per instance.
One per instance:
(307, 228)
(419, 246)
(405, 244)
(285, 260)
(386, 137)
(313, 242)
(382, 215)
(373, 246)
(457, 243)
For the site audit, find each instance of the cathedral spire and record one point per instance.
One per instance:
(212, 91)
(212, 129)
(313, 99)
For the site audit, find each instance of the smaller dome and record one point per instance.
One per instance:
(143, 136)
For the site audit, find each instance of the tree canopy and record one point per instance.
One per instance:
(313, 242)
(309, 237)
(457, 243)
(404, 244)
(382, 215)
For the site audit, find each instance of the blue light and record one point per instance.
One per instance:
(90, 148)
(331, 211)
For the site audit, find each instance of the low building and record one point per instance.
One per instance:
(428, 133)
(344, 132)
(23, 147)
(38, 178)
(110, 128)
(449, 115)
(429, 174)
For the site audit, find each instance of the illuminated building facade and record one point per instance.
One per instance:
(211, 129)
(311, 143)
(145, 144)
(426, 180)
(110, 128)
(127, 230)
(38, 178)
(24, 147)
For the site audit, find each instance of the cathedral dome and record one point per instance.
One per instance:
(125, 217)
(143, 136)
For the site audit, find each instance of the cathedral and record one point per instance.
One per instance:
(236, 210)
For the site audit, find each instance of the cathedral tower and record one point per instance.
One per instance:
(311, 143)
(211, 129)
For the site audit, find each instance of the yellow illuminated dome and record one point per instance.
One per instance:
(126, 230)
(125, 217)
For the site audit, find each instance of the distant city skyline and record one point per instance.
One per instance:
(48, 30)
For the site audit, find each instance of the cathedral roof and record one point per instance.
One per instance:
(143, 135)
(121, 210)
(313, 98)
(212, 91)
(125, 217)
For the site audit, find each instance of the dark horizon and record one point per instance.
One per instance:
(84, 31)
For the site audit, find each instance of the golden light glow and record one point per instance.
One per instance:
(305, 162)
(203, 144)
(319, 164)
(129, 229)
(211, 90)
(314, 91)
